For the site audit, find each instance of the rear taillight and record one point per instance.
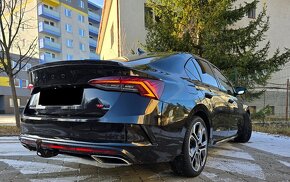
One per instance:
(145, 87)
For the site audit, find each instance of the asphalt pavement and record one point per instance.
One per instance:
(264, 158)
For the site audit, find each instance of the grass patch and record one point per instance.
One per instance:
(272, 129)
(9, 130)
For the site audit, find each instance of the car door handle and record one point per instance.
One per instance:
(231, 101)
(208, 95)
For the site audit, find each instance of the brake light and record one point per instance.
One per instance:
(145, 87)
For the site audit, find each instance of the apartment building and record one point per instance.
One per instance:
(21, 83)
(68, 30)
(123, 29)
(64, 29)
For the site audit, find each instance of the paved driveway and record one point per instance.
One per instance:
(264, 158)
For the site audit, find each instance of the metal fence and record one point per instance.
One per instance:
(274, 102)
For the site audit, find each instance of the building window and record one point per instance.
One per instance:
(48, 23)
(69, 43)
(11, 103)
(28, 66)
(69, 57)
(81, 4)
(253, 109)
(81, 32)
(112, 35)
(24, 83)
(17, 82)
(68, 28)
(148, 15)
(67, 12)
(50, 55)
(24, 68)
(272, 110)
(48, 7)
(252, 13)
(50, 39)
(82, 47)
(13, 64)
(81, 18)
(22, 27)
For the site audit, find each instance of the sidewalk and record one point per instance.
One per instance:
(7, 120)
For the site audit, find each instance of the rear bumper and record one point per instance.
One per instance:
(137, 144)
(136, 138)
(84, 149)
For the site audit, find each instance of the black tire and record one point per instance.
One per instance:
(244, 130)
(188, 165)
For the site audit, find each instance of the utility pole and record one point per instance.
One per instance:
(287, 91)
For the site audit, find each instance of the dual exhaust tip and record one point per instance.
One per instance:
(110, 161)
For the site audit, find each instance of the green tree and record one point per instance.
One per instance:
(208, 28)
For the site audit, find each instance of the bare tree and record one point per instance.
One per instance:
(12, 18)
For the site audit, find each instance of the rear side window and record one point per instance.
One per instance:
(225, 84)
(207, 75)
(191, 70)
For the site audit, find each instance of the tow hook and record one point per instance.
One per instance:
(46, 153)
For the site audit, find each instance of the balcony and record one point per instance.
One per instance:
(94, 6)
(51, 2)
(92, 43)
(94, 56)
(46, 58)
(48, 13)
(93, 30)
(52, 30)
(94, 17)
(49, 45)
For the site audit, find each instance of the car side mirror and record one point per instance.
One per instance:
(240, 90)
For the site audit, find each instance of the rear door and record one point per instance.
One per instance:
(233, 103)
(214, 97)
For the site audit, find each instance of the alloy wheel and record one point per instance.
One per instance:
(198, 142)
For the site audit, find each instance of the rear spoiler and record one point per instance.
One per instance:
(76, 62)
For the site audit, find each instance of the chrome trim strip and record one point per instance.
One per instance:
(225, 140)
(58, 119)
(34, 137)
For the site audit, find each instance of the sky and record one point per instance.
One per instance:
(98, 2)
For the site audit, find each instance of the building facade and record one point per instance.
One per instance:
(21, 83)
(123, 29)
(65, 29)
(275, 94)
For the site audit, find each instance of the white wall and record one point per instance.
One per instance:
(132, 23)
(109, 51)
(278, 33)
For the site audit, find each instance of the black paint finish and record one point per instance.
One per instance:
(137, 128)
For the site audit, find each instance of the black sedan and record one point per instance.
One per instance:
(146, 109)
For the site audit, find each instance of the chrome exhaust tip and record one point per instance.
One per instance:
(110, 161)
